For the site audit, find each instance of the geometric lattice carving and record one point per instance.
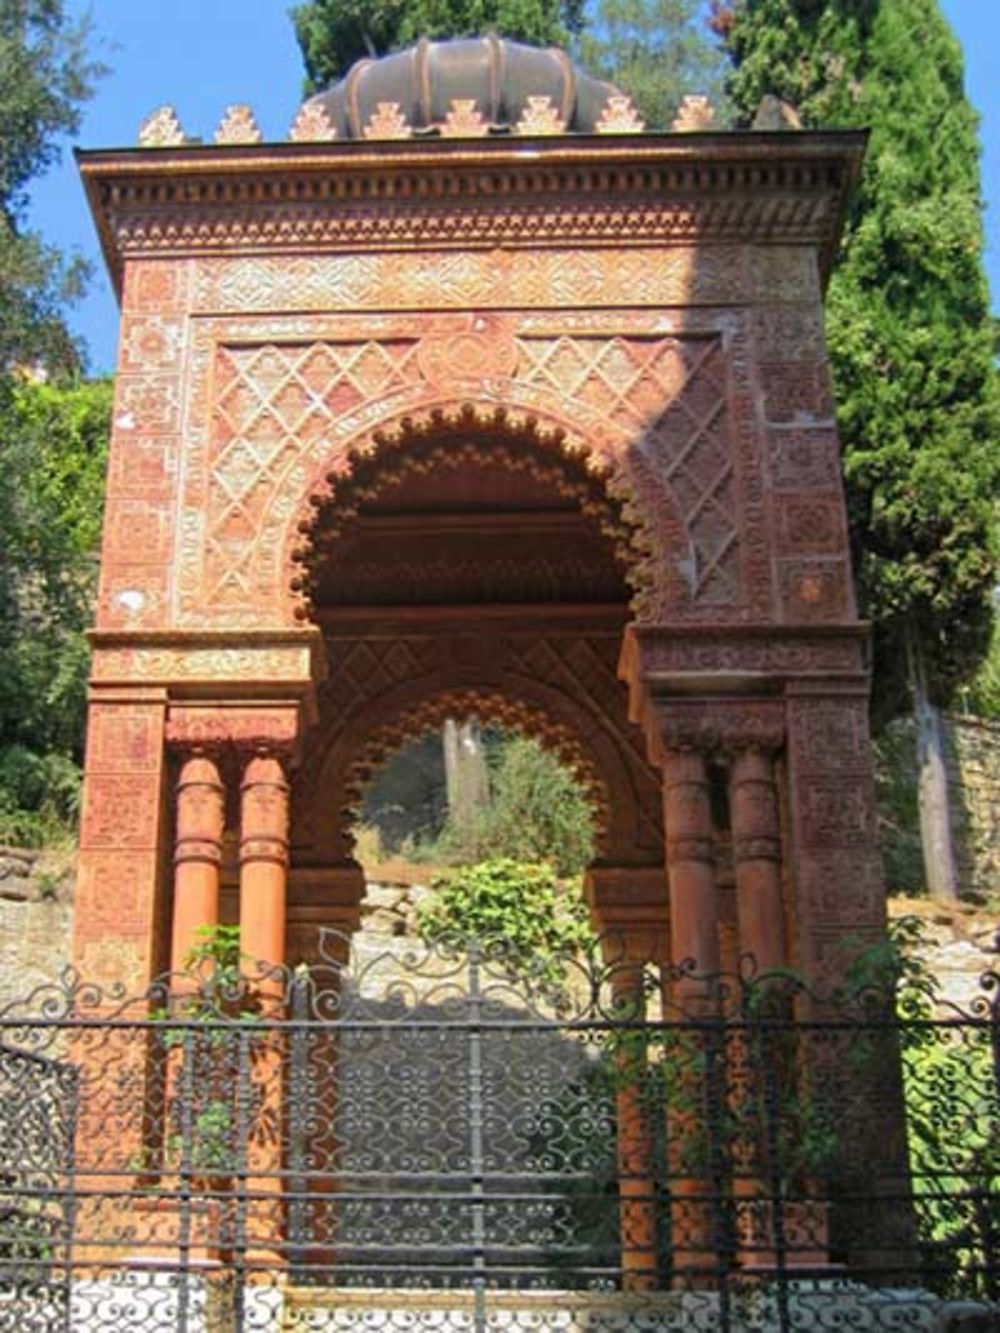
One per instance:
(274, 403)
(271, 403)
(671, 392)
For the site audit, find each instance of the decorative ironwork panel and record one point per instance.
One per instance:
(461, 1138)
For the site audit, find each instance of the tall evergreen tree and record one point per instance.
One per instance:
(656, 51)
(910, 337)
(333, 34)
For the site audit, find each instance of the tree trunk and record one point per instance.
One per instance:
(466, 776)
(932, 777)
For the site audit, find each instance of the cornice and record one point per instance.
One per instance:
(591, 191)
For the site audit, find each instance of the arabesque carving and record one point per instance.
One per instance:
(659, 432)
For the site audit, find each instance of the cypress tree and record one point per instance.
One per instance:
(911, 341)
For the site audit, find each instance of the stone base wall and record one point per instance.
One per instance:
(974, 770)
(36, 919)
(36, 922)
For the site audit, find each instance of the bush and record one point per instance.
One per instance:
(537, 812)
(520, 908)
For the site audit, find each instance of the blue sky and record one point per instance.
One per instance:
(203, 55)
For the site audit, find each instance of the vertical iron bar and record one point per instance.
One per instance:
(244, 1089)
(717, 1090)
(477, 1163)
(300, 1118)
(188, 1053)
(773, 1074)
(69, 1211)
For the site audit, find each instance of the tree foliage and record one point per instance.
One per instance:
(656, 51)
(53, 430)
(911, 342)
(45, 77)
(333, 34)
(54, 450)
(537, 811)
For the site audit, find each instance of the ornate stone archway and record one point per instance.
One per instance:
(643, 316)
(542, 420)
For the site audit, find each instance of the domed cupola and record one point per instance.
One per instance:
(471, 87)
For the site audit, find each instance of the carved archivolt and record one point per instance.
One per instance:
(647, 417)
(451, 447)
(492, 708)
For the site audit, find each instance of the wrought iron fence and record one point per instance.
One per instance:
(435, 1138)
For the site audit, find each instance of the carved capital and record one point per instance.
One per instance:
(218, 731)
(720, 727)
(264, 811)
(201, 800)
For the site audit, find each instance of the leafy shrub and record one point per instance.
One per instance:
(537, 811)
(520, 908)
(39, 796)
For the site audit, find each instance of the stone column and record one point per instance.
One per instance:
(197, 855)
(690, 862)
(756, 832)
(263, 869)
(693, 942)
(629, 908)
(263, 893)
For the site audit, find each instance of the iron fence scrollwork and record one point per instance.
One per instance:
(452, 1138)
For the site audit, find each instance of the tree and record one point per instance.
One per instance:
(52, 432)
(656, 51)
(45, 77)
(911, 341)
(54, 455)
(333, 34)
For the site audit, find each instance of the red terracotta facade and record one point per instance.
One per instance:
(537, 429)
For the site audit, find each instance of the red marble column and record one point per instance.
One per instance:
(197, 856)
(264, 869)
(756, 830)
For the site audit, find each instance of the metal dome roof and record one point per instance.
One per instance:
(468, 87)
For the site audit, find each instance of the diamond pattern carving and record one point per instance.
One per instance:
(663, 398)
(271, 403)
(671, 393)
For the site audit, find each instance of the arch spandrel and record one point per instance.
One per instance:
(650, 413)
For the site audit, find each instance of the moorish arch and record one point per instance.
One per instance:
(528, 402)
(471, 562)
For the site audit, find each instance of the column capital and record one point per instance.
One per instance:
(264, 800)
(201, 800)
(715, 728)
(219, 729)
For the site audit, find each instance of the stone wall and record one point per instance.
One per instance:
(36, 919)
(36, 922)
(974, 764)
